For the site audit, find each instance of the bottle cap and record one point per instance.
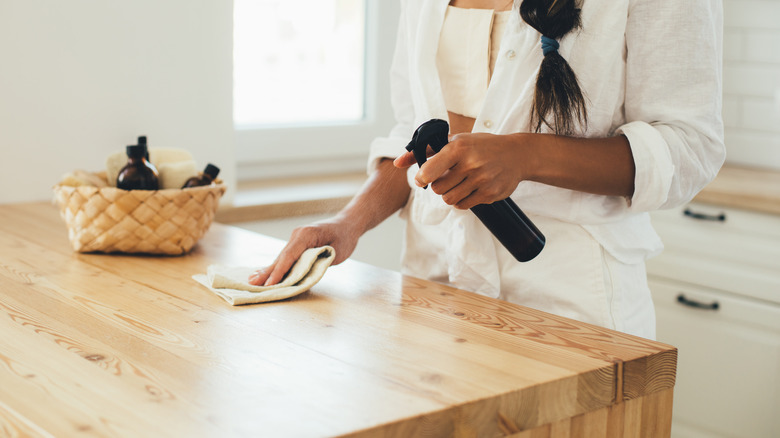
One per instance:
(135, 151)
(142, 140)
(211, 170)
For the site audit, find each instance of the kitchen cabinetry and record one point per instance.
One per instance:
(716, 289)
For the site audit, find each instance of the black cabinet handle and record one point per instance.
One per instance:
(705, 217)
(697, 304)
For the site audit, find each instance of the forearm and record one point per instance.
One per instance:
(384, 193)
(603, 166)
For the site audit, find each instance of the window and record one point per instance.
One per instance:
(310, 84)
(279, 44)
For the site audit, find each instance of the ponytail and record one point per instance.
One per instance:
(558, 99)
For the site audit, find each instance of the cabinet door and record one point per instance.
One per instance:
(728, 373)
(739, 254)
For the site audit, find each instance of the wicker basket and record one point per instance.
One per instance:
(108, 219)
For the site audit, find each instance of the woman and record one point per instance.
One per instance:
(589, 113)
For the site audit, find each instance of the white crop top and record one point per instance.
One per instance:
(468, 48)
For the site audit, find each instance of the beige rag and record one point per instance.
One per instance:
(231, 283)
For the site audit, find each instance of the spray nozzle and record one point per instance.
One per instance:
(432, 133)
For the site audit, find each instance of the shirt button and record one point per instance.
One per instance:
(510, 54)
(488, 124)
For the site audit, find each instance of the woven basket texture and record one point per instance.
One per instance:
(110, 220)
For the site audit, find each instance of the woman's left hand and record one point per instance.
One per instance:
(472, 169)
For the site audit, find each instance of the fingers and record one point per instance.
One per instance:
(458, 194)
(404, 160)
(458, 190)
(449, 181)
(435, 167)
(275, 273)
(259, 277)
(269, 275)
(464, 191)
(408, 159)
(472, 200)
(286, 259)
(326, 232)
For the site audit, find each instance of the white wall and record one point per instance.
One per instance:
(751, 89)
(81, 79)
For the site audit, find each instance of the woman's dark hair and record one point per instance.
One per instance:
(558, 100)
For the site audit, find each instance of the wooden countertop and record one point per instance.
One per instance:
(120, 345)
(744, 187)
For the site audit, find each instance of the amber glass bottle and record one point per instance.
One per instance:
(204, 178)
(142, 142)
(138, 174)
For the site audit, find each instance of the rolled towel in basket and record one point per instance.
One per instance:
(174, 175)
(231, 283)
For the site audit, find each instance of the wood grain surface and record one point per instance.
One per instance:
(744, 187)
(129, 346)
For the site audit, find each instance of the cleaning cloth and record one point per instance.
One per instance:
(231, 282)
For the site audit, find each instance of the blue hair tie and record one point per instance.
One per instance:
(549, 45)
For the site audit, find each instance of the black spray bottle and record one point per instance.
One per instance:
(503, 218)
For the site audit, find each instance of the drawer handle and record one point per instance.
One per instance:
(705, 217)
(697, 304)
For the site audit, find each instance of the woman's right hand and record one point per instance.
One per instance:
(385, 191)
(333, 232)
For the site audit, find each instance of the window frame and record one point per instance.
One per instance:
(326, 148)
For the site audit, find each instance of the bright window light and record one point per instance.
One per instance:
(298, 62)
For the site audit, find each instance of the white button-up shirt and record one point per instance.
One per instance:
(649, 70)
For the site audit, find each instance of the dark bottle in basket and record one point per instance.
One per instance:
(138, 173)
(142, 142)
(503, 218)
(204, 178)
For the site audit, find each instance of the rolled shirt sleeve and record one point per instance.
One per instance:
(673, 99)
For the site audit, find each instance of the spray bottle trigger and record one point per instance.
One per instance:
(419, 152)
(414, 147)
(432, 133)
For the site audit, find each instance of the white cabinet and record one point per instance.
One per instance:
(716, 289)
